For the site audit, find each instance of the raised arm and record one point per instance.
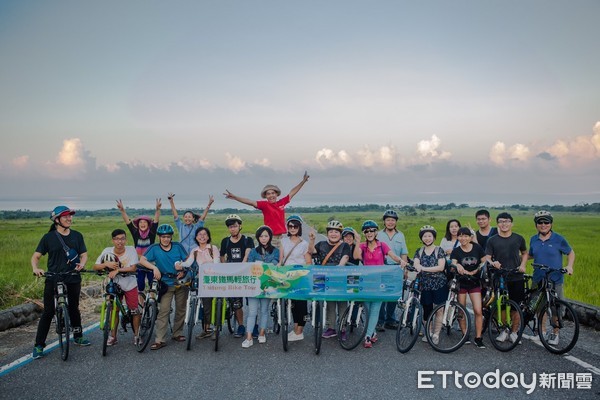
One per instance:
(121, 208)
(211, 200)
(157, 212)
(297, 188)
(171, 196)
(229, 195)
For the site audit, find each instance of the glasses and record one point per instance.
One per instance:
(370, 231)
(504, 221)
(119, 239)
(543, 222)
(291, 226)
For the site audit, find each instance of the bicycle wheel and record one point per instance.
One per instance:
(443, 329)
(218, 321)
(318, 327)
(276, 326)
(284, 323)
(149, 313)
(352, 328)
(63, 328)
(500, 330)
(560, 321)
(409, 325)
(191, 321)
(107, 325)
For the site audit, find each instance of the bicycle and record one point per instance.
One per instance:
(410, 313)
(61, 310)
(555, 321)
(449, 324)
(352, 326)
(317, 320)
(275, 317)
(284, 316)
(217, 317)
(501, 315)
(233, 304)
(149, 314)
(193, 306)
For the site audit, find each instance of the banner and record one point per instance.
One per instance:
(301, 282)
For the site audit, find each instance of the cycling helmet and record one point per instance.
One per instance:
(543, 216)
(109, 257)
(427, 228)
(333, 224)
(390, 213)
(59, 211)
(369, 224)
(165, 229)
(232, 219)
(296, 218)
(348, 231)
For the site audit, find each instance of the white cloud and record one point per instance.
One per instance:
(20, 162)
(497, 153)
(234, 163)
(581, 149)
(264, 162)
(327, 157)
(71, 154)
(428, 149)
(519, 152)
(194, 164)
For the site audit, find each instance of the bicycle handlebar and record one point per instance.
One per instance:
(547, 269)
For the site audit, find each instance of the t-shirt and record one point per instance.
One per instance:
(258, 255)
(470, 261)
(274, 214)
(128, 259)
(142, 244)
(296, 257)
(375, 257)
(446, 244)
(550, 253)
(57, 258)
(507, 250)
(397, 243)
(187, 233)
(235, 251)
(482, 240)
(431, 280)
(165, 260)
(323, 248)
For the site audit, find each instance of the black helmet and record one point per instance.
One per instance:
(390, 214)
(543, 216)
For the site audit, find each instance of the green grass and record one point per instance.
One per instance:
(19, 238)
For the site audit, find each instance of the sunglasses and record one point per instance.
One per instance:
(370, 231)
(292, 226)
(544, 222)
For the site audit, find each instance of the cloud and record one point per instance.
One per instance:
(20, 162)
(193, 164)
(579, 150)
(428, 149)
(519, 152)
(234, 163)
(500, 154)
(72, 161)
(265, 162)
(497, 153)
(71, 153)
(327, 157)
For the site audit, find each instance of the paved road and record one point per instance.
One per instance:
(267, 372)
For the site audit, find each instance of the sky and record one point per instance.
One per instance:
(388, 102)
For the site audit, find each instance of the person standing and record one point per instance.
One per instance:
(55, 243)
(190, 224)
(485, 231)
(507, 251)
(450, 240)
(547, 247)
(391, 236)
(272, 208)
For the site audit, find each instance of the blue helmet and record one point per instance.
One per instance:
(60, 211)
(347, 231)
(369, 224)
(390, 214)
(296, 218)
(165, 229)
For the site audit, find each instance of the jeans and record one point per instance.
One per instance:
(141, 278)
(387, 313)
(258, 307)
(373, 308)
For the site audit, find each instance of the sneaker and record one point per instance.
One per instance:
(374, 338)
(111, 341)
(136, 340)
(294, 337)
(204, 335)
(502, 336)
(553, 339)
(38, 352)
(435, 339)
(247, 343)
(391, 325)
(424, 339)
(329, 333)
(255, 332)
(241, 331)
(81, 341)
(468, 341)
(513, 337)
(262, 339)
(379, 328)
(479, 343)
(368, 344)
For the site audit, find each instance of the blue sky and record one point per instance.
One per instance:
(381, 101)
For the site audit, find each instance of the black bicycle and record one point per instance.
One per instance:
(503, 318)
(553, 319)
(352, 326)
(149, 314)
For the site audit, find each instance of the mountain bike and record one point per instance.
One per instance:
(217, 317)
(505, 320)
(284, 316)
(317, 319)
(233, 304)
(352, 326)
(554, 320)
(410, 314)
(449, 324)
(275, 317)
(149, 314)
(193, 306)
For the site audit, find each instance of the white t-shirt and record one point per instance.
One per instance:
(128, 259)
(296, 257)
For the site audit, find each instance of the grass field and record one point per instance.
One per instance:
(19, 238)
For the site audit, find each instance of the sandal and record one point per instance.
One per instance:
(179, 338)
(157, 345)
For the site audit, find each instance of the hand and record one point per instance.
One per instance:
(522, 269)
(461, 269)
(496, 264)
(211, 199)
(170, 196)
(38, 272)
(158, 203)
(157, 274)
(311, 235)
(403, 263)
(112, 265)
(79, 267)
(112, 274)
(120, 205)
(228, 194)
(569, 270)
(305, 177)
(178, 266)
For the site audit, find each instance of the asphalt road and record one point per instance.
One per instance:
(265, 371)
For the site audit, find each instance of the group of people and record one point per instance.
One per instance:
(280, 242)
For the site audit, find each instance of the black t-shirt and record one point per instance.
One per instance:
(323, 248)
(235, 251)
(482, 240)
(508, 251)
(57, 258)
(470, 261)
(141, 245)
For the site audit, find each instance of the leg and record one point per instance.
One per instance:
(47, 315)
(163, 314)
(181, 295)
(73, 294)
(253, 306)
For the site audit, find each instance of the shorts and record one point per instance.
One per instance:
(466, 290)
(131, 298)
(516, 290)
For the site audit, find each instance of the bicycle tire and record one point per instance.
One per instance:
(276, 326)
(568, 325)
(63, 328)
(408, 331)
(496, 327)
(192, 313)
(451, 337)
(218, 321)
(352, 333)
(149, 314)
(284, 323)
(318, 327)
(107, 325)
